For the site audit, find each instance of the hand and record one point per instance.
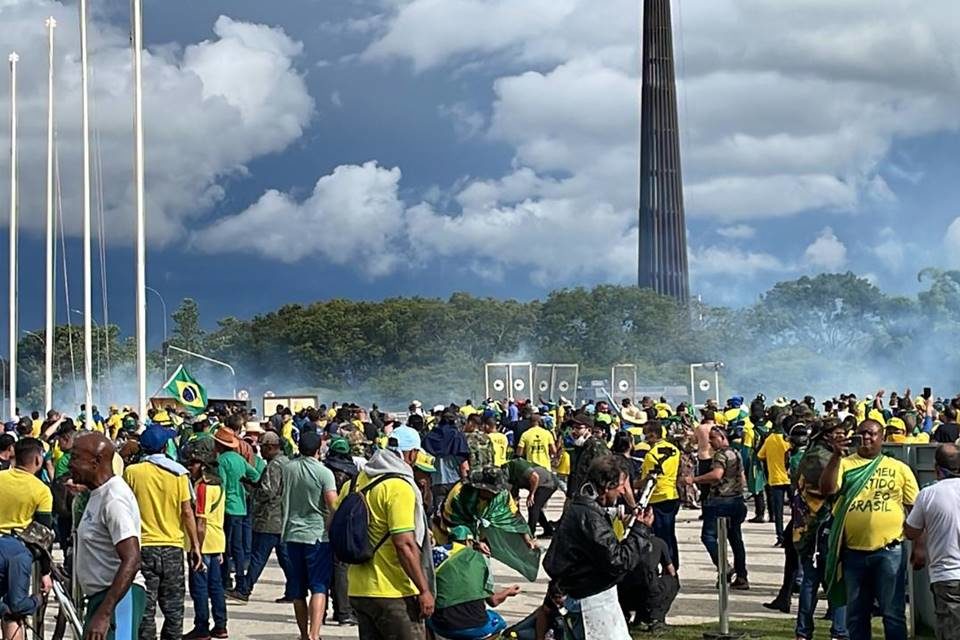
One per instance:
(906, 394)
(646, 517)
(483, 548)
(919, 557)
(196, 561)
(688, 480)
(511, 591)
(46, 583)
(530, 501)
(99, 626)
(532, 543)
(427, 604)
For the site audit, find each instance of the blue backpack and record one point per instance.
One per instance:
(350, 527)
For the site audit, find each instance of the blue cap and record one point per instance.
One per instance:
(407, 439)
(154, 438)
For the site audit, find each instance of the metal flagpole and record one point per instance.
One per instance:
(137, 41)
(49, 337)
(14, 330)
(87, 259)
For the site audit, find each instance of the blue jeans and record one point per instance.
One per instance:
(16, 566)
(778, 495)
(876, 576)
(247, 535)
(263, 546)
(736, 511)
(809, 586)
(207, 588)
(665, 526)
(234, 558)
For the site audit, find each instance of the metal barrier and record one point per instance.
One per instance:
(920, 458)
(723, 587)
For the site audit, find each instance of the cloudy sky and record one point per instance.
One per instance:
(305, 149)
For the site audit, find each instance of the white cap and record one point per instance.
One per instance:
(439, 408)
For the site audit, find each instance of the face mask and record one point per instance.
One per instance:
(580, 440)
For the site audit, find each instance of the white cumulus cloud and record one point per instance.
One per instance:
(827, 252)
(351, 217)
(210, 108)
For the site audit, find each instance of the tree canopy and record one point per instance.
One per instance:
(818, 334)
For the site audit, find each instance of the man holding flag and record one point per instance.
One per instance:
(865, 561)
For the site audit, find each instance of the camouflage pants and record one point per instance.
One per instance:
(162, 569)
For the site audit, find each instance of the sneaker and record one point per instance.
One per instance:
(778, 605)
(740, 584)
(349, 621)
(219, 633)
(756, 520)
(778, 544)
(658, 628)
(237, 597)
(196, 635)
(283, 600)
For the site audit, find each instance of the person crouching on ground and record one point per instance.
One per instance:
(587, 560)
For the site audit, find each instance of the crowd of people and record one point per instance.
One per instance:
(390, 525)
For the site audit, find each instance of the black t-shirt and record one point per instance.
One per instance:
(468, 615)
(948, 432)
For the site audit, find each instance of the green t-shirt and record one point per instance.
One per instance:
(232, 468)
(62, 467)
(520, 470)
(305, 483)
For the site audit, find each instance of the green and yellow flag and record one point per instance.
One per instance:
(188, 391)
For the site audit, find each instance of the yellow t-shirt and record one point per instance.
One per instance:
(155, 489)
(36, 428)
(666, 487)
(391, 506)
(875, 517)
(563, 464)
(23, 496)
(211, 507)
(114, 423)
(774, 451)
(536, 443)
(499, 443)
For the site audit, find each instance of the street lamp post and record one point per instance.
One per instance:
(163, 304)
(214, 361)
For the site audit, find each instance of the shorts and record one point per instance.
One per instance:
(310, 569)
(127, 615)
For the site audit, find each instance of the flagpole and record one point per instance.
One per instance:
(87, 258)
(138, 170)
(14, 330)
(51, 24)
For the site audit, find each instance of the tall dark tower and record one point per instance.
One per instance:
(663, 233)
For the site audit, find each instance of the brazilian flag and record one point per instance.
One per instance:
(187, 390)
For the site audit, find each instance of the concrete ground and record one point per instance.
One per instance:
(262, 619)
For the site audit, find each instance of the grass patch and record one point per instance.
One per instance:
(778, 628)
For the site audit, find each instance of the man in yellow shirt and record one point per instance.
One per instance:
(875, 494)
(774, 452)
(25, 499)
(498, 441)
(391, 591)
(114, 422)
(206, 586)
(664, 459)
(162, 489)
(537, 444)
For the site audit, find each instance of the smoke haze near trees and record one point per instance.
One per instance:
(822, 335)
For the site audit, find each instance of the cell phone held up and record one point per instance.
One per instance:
(855, 443)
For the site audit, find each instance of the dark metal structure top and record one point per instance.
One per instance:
(663, 234)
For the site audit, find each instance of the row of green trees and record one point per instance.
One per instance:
(822, 334)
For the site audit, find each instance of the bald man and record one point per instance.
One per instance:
(932, 525)
(108, 544)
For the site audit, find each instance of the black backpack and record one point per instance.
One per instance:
(349, 529)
